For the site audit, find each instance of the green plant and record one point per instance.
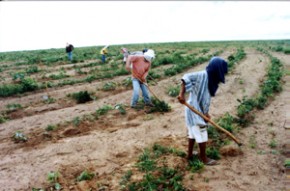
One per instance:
(287, 163)
(82, 97)
(159, 106)
(195, 165)
(2, 119)
(126, 178)
(103, 110)
(19, 137)
(13, 106)
(121, 108)
(173, 91)
(28, 84)
(273, 143)
(50, 127)
(213, 153)
(85, 175)
(53, 177)
(76, 121)
(49, 100)
(227, 122)
(145, 162)
(109, 86)
(127, 82)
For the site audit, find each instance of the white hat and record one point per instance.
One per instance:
(149, 55)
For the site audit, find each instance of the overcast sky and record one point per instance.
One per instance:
(30, 25)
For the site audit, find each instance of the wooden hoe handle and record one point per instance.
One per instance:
(213, 123)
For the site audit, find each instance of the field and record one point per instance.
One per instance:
(69, 126)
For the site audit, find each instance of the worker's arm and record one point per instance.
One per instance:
(181, 97)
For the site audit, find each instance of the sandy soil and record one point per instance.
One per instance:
(110, 145)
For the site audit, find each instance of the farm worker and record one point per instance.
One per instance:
(201, 85)
(69, 48)
(126, 53)
(103, 52)
(139, 65)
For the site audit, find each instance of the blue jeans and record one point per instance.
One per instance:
(103, 58)
(136, 88)
(69, 54)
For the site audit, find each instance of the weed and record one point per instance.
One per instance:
(103, 110)
(49, 100)
(50, 127)
(53, 177)
(82, 97)
(76, 121)
(195, 165)
(28, 84)
(173, 91)
(13, 106)
(159, 106)
(273, 143)
(85, 175)
(213, 153)
(121, 109)
(19, 137)
(126, 178)
(108, 86)
(287, 163)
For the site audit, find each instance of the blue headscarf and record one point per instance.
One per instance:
(216, 70)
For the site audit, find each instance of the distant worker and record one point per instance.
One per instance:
(139, 65)
(69, 48)
(103, 53)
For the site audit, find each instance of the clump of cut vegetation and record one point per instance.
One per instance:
(159, 106)
(81, 97)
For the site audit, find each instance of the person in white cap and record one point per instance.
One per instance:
(139, 66)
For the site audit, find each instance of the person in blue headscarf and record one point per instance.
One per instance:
(201, 86)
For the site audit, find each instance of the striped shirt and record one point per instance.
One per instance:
(197, 85)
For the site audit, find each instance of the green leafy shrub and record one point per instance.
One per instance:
(28, 84)
(82, 97)
(50, 127)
